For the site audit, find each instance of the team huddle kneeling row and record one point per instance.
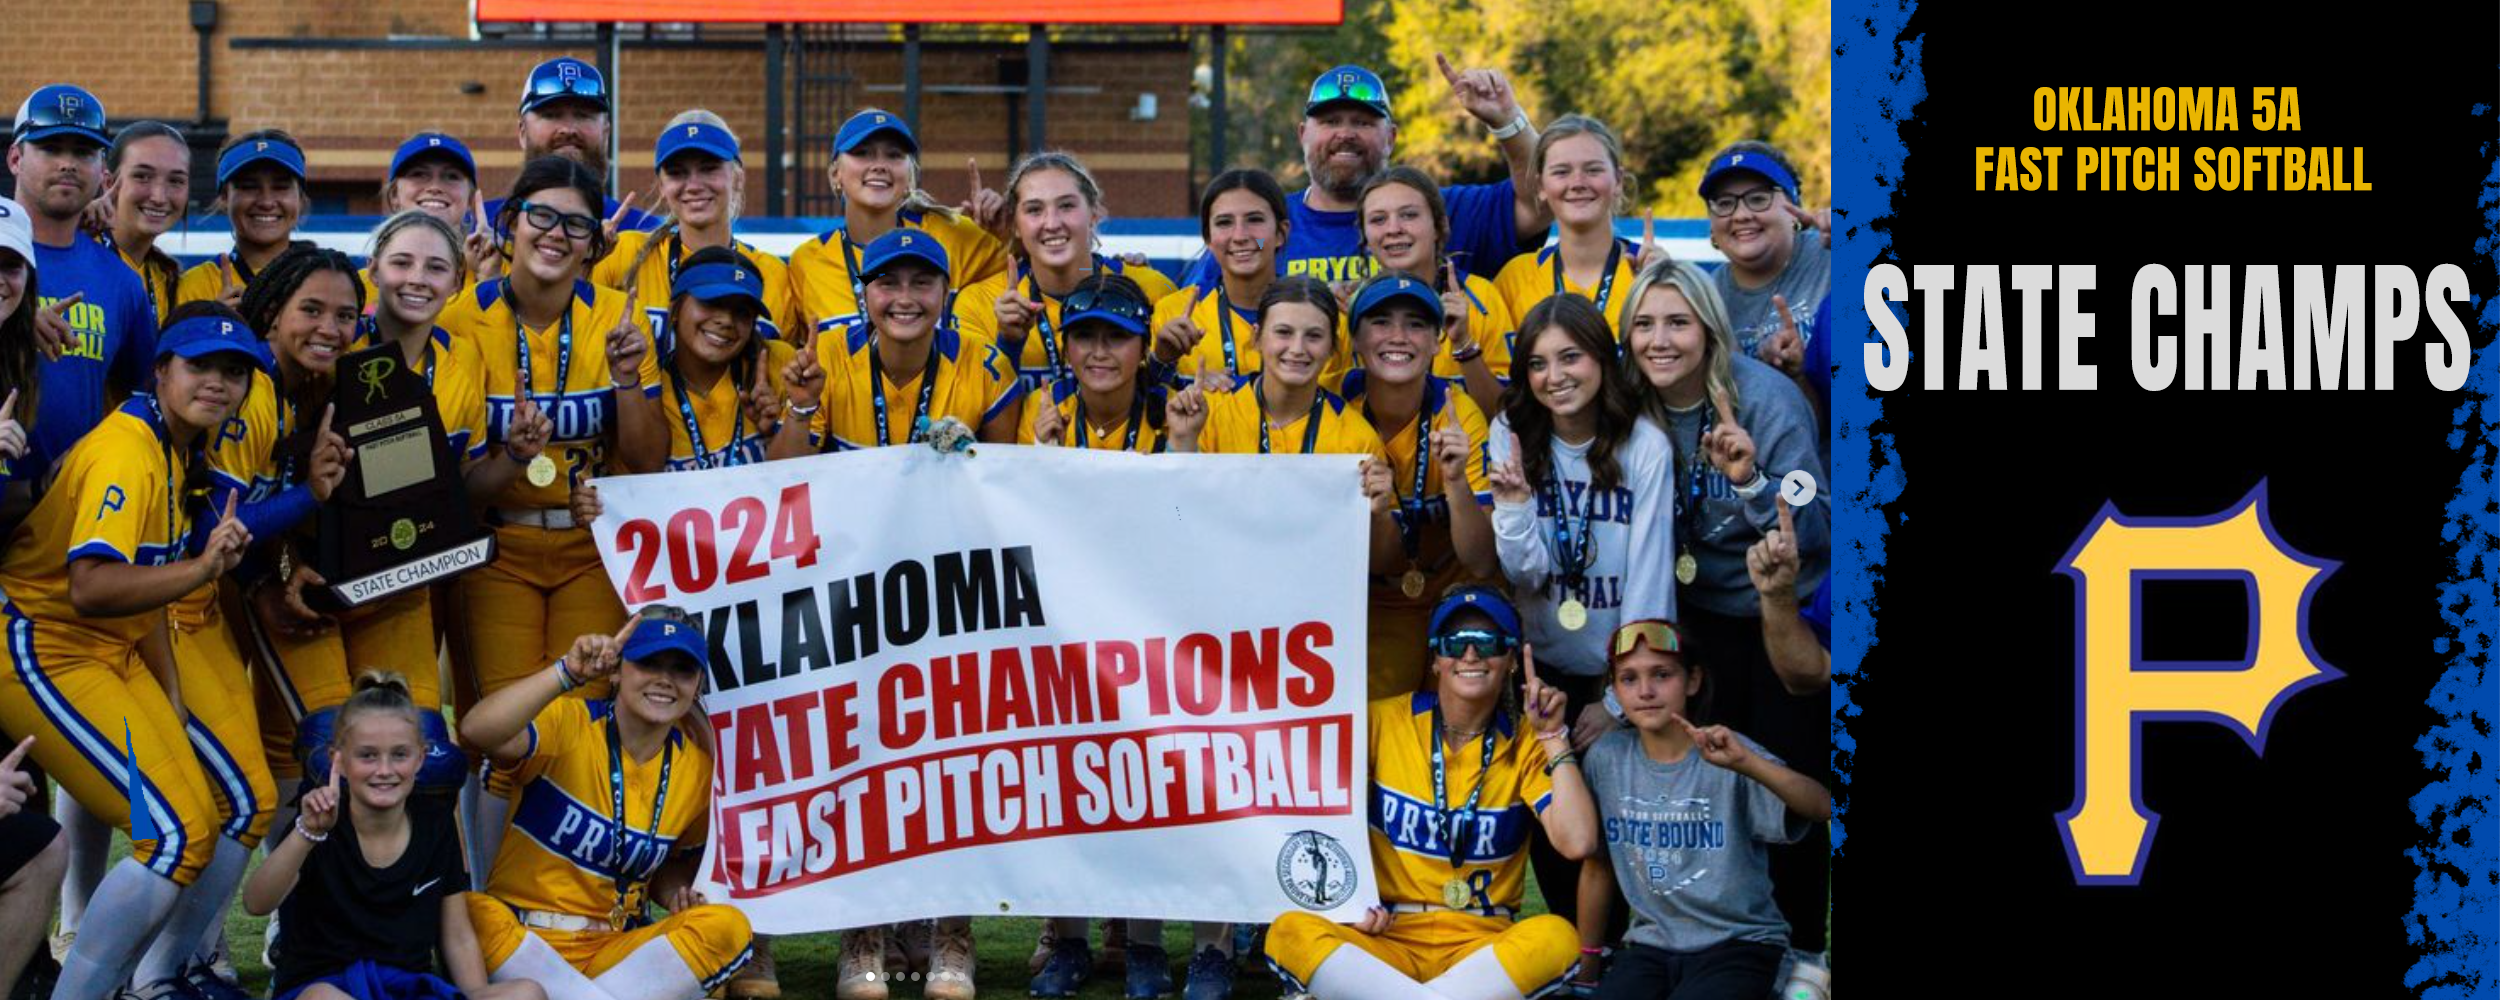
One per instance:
(169, 672)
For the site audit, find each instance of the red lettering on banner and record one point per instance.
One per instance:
(1060, 684)
(759, 755)
(1253, 669)
(746, 514)
(692, 542)
(841, 721)
(1031, 789)
(1010, 705)
(899, 727)
(642, 539)
(1158, 690)
(691, 561)
(1116, 666)
(799, 734)
(1318, 679)
(1198, 673)
(955, 695)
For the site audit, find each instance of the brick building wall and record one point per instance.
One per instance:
(352, 78)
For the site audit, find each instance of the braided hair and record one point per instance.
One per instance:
(267, 295)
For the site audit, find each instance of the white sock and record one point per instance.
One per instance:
(1207, 934)
(651, 972)
(1068, 927)
(493, 811)
(469, 830)
(1143, 931)
(1350, 973)
(1479, 976)
(537, 961)
(136, 901)
(197, 909)
(90, 846)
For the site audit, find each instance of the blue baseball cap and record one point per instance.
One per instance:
(60, 109)
(563, 78)
(652, 638)
(711, 139)
(244, 154)
(719, 283)
(871, 123)
(1484, 599)
(899, 245)
(1094, 302)
(1757, 163)
(1381, 293)
(201, 336)
(433, 144)
(1348, 84)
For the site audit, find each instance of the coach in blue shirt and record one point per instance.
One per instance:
(1346, 136)
(56, 151)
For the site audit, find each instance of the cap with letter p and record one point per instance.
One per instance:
(201, 336)
(279, 151)
(1754, 162)
(693, 137)
(654, 637)
(897, 246)
(716, 283)
(1348, 84)
(1476, 598)
(1382, 292)
(434, 144)
(563, 78)
(871, 123)
(60, 109)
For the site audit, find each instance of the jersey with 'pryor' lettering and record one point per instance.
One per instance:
(583, 407)
(1410, 853)
(561, 851)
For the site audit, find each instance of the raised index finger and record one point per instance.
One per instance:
(8, 764)
(229, 514)
(627, 632)
(1727, 414)
(1801, 214)
(623, 206)
(10, 406)
(1788, 320)
(477, 200)
(61, 305)
(973, 163)
(1447, 72)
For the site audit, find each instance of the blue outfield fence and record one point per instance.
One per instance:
(1169, 243)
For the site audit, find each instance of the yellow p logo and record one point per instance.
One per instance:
(2108, 832)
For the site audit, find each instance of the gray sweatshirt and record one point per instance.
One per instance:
(1687, 841)
(1631, 531)
(1784, 437)
(1806, 282)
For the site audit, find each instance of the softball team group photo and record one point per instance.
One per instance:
(1597, 667)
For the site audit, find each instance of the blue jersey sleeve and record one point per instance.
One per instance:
(134, 367)
(1484, 228)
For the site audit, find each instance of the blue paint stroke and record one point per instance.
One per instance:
(2454, 926)
(1876, 85)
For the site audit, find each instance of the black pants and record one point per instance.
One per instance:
(1730, 970)
(1558, 877)
(1743, 693)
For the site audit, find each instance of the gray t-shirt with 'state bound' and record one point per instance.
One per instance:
(1688, 844)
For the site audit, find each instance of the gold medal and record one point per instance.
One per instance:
(1454, 893)
(1572, 615)
(1686, 568)
(542, 470)
(1412, 583)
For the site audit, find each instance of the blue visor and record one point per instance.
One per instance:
(899, 245)
(1484, 599)
(1095, 303)
(720, 283)
(201, 336)
(695, 136)
(1348, 84)
(61, 109)
(564, 78)
(652, 638)
(434, 144)
(1753, 163)
(278, 151)
(1381, 294)
(869, 124)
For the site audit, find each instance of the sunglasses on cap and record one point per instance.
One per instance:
(1660, 636)
(548, 217)
(552, 82)
(1486, 643)
(1095, 298)
(68, 108)
(1359, 87)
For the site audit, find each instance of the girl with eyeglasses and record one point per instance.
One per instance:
(260, 178)
(1778, 254)
(1405, 228)
(876, 170)
(1580, 165)
(1704, 926)
(1458, 781)
(1056, 208)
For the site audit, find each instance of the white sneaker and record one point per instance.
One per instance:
(950, 964)
(61, 943)
(1809, 978)
(862, 968)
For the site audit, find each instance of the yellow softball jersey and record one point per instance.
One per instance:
(159, 283)
(117, 498)
(651, 285)
(1414, 842)
(1231, 341)
(1331, 427)
(1491, 323)
(1039, 361)
(967, 378)
(571, 385)
(824, 270)
(1531, 278)
(1139, 429)
(710, 429)
(566, 848)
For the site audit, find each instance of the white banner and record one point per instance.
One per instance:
(1042, 681)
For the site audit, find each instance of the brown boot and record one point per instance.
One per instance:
(1111, 960)
(862, 969)
(756, 980)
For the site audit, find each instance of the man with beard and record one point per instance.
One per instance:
(56, 150)
(564, 112)
(1346, 135)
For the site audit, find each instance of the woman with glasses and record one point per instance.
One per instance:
(1405, 227)
(702, 190)
(1579, 166)
(1772, 258)
(1457, 780)
(1055, 206)
(260, 177)
(1704, 926)
(572, 392)
(876, 170)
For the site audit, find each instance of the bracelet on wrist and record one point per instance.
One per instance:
(1470, 353)
(1592, 951)
(309, 836)
(796, 410)
(565, 682)
(1555, 764)
(1518, 123)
